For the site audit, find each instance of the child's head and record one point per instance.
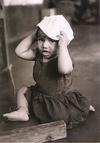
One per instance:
(46, 46)
(48, 34)
(53, 25)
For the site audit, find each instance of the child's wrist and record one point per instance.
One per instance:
(63, 46)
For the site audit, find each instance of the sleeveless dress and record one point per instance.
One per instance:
(53, 98)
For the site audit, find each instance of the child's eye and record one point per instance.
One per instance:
(41, 39)
(52, 40)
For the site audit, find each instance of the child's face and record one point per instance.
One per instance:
(46, 46)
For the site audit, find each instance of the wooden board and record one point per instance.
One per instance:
(36, 134)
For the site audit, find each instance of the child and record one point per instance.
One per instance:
(52, 98)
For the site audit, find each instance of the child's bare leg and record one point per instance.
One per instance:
(22, 113)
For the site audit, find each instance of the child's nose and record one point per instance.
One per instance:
(45, 44)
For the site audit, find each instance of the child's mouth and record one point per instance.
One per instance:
(45, 52)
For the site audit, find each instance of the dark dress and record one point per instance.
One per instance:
(53, 98)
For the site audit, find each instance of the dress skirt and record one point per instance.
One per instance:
(72, 107)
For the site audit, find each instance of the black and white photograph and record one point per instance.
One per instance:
(50, 71)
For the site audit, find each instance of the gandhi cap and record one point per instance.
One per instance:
(53, 25)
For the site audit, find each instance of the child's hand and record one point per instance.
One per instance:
(63, 40)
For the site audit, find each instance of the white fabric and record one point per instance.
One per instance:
(53, 25)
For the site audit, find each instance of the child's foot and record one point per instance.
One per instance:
(91, 108)
(3, 118)
(19, 115)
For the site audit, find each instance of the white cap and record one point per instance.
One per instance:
(53, 25)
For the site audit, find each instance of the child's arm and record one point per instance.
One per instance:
(24, 51)
(65, 65)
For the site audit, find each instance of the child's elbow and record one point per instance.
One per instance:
(69, 70)
(18, 52)
(66, 70)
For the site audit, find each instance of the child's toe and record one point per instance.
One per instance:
(91, 108)
(4, 118)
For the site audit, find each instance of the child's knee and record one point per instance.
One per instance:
(22, 90)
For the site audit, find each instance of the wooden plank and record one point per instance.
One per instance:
(36, 134)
